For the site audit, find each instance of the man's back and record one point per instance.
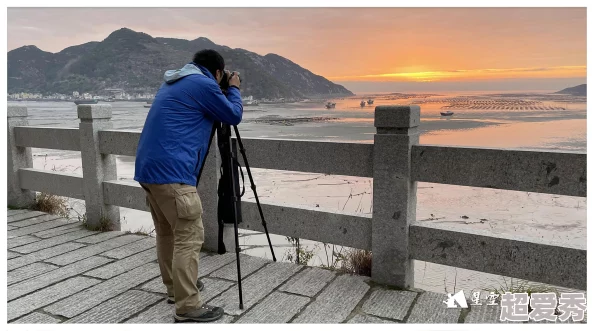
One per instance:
(175, 136)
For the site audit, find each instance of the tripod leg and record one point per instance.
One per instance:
(253, 186)
(235, 201)
(238, 265)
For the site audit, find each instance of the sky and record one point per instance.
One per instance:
(365, 49)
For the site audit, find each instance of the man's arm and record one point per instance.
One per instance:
(226, 109)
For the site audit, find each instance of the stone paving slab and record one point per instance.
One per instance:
(336, 302)
(45, 243)
(12, 255)
(483, 314)
(209, 264)
(117, 309)
(159, 313)
(34, 220)
(248, 265)
(42, 255)
(12, 212)
(24, 240)
(225, 319)
(55, 276)
(24, 216)
(163, 313)
(430, 308)
(127, 264)
(37, 318)
(255, 287)
(308, 282)
(273, 292)
(48, 295)
(212, 287)
(29, 271)
(131, 249)
(100, 237)
(366, 319)
(278, 307)
(156, 285)
(38, 227)
(59, 230)
(91, 250)
(389, 303)
(104, 291)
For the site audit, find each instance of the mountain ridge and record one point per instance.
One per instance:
(578, 90)
(136, 61)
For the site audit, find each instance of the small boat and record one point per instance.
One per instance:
(370, 102)
(330, 105)
(251, 103)
(446, 113)
(147, 106)
(362, 103)
(86, 102)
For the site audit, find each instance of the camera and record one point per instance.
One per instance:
(224, 84)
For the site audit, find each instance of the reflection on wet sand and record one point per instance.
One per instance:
(514, 135)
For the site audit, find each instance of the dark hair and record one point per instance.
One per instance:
(210, 59)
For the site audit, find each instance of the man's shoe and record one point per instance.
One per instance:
(200, 285)
(202, 314)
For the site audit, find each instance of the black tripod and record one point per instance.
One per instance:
(228, 191)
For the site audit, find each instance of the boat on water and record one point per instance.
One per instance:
(362, 103)
(147, 106)
(446, 113)
(330, 105)
(370, 102)
(250, 101)
(86, 102)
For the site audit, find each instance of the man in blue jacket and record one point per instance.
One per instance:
(171, 151)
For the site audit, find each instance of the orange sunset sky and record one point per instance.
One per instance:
(362, 48)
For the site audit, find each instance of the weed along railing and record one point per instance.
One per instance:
(395, 161)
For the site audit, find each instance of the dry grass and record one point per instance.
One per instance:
(105, 224)
(521, 286)
(357, 261)
(51, 204)
(142, 232)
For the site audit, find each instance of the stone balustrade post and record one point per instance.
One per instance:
(394, 194)
(18, 157)
(207, 190)
(97, 167)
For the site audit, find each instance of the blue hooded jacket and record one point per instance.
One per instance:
(177, 130)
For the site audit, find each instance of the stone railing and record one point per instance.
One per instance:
(395, 161)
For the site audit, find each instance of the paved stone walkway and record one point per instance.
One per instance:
(59, 272)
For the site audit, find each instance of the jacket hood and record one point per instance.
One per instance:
(171, 76)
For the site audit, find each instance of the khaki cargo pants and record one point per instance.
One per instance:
(177, 213)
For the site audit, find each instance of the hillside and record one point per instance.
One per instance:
(579, 90)
(136, 61)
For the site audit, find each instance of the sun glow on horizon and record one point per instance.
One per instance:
(472, 74)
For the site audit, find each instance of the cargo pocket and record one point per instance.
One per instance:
(188, 204)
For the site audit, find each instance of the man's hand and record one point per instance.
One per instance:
(234, 80)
